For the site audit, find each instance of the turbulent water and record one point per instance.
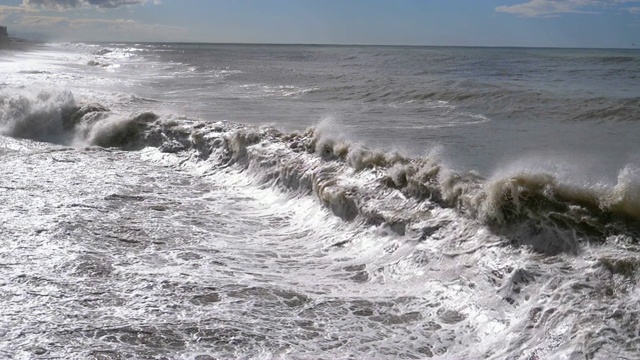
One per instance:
(290, 202)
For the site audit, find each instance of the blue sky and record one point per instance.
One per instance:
(562, 23)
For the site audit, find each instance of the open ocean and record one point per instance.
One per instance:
(200, 201)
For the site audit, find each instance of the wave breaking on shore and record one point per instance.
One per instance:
(358, 184)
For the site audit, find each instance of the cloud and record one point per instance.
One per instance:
(43, 21)
(547, 8)
(35, 14)
(634, 10)
(5, 11)
(82, 29)
(75, 4)
(114, 3)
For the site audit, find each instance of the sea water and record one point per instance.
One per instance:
(204, 201)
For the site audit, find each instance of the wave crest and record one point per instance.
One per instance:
(358, 184)
(56, 117)
(39, 116)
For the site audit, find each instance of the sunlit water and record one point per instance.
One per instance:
(449, 203)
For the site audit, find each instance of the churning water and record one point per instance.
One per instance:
(258, 201)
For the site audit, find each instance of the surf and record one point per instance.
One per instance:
(356, 183)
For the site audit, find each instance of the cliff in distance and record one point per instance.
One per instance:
(4, 35)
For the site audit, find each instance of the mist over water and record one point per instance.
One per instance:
(260, 201)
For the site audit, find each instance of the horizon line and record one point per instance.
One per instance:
(631, 47)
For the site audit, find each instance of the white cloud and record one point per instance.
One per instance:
(101, 29)
(634, 10)
(546, 8)
(5, 11)
(42, 21)
(74, 4)
(36, 15)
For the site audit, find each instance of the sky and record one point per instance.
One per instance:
(530, 23)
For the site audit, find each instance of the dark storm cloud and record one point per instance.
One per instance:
(72, 4)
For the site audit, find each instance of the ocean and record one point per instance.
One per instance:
(214, 201)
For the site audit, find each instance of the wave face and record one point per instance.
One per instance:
(39, 117)
(518, 203)
(525, 207)
(56, 117)
(373, 203)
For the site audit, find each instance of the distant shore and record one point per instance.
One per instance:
(16, 44)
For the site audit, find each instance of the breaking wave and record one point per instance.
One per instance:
(527, 207)
(56, 117)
